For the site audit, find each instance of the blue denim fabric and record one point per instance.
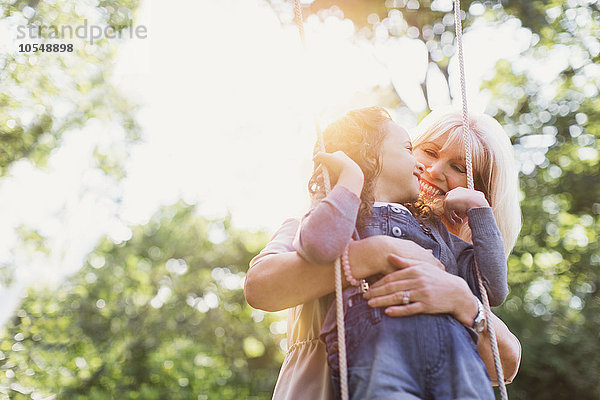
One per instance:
(417, 357)
(399, 222)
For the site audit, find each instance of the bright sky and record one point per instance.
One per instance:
(226, 117)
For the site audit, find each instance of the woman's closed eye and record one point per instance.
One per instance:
(430, 153)
(459, 168)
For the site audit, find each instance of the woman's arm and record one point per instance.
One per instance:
(284, 280)
(509, 348)
(279, 278)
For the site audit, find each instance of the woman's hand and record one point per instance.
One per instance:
(434, 291)
(460, 200)
(342, 170)
(369, 256)
(431, 291)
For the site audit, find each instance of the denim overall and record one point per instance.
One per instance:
(417, 357)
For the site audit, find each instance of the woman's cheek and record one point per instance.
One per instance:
(423, 159)
(457, 180)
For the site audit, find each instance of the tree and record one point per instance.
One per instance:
(159, 316)
(46, 94)
(555, 302)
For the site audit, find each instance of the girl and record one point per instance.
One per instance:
(279, 278)
(369, 134)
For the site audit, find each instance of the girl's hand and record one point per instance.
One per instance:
(431, 291)
(342, 170)
(460, 200)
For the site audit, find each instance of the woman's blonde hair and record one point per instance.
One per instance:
(495, 170)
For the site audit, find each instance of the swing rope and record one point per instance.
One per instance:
(339, 299)
(469, 164)
(468, 160)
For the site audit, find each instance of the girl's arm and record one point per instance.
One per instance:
(326, 229)
(488, 246)
(487, 250)
(279, 278)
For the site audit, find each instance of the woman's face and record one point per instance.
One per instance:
(398, 181)
(444, 169)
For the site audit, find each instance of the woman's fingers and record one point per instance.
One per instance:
(410, 250)
(395, 299)
(397, 275)
(400, 262)
(405, 311)
(392, 288)
(425, 283)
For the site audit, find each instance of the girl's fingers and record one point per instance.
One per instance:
(322, 157)
(456, 218)
(450, 216)
(448, 213)
(453, 217)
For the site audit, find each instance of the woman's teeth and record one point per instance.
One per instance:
(430, 190)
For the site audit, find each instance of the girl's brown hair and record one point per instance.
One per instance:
(359, 134)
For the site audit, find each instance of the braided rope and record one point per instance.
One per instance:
(299, 21)
(469, 163)
(339, 299)
(463, 92)
(470, 185)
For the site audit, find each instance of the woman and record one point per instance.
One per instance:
(279, 278)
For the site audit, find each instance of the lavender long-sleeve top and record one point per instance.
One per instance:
(325, 231)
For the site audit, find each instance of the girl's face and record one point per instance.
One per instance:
(444, 169)
(398, 181)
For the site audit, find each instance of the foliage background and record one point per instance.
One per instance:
(162, 314)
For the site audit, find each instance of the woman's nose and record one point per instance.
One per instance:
(420, 168)
(435, 170)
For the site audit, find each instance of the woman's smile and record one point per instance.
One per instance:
(430, 189)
